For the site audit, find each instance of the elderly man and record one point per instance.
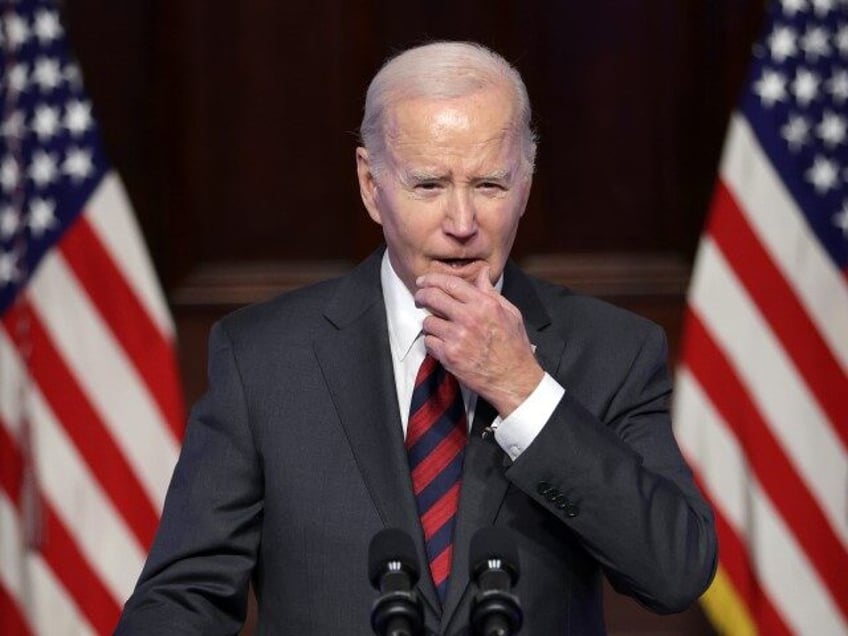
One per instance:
(335, 411)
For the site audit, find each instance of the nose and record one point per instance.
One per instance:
(461, 216)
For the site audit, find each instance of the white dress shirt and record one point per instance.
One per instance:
(513, 433)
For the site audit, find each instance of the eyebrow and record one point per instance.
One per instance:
(499, 175)
(414, 175)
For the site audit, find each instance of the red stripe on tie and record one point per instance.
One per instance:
(438, 459)
(440, 512)
(429, 413)
(440, 566)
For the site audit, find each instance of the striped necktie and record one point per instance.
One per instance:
(435, 444)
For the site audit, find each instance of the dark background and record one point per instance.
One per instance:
(233, 126)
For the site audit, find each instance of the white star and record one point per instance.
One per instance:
(18, 78)
(78, 165)
(840, 39)
(805, 86)
(10, 174)
(823, 174)
(791, 7)
(13, 127)
(43, 168)
(47, 73)
(17, 31)
(822, 6)
(47, 26)
(78, 117)
(73, 76)
(8, 268)
(796, 131)
(782, 43)
(814, 42)
(837, 85)
(41, 216)
(10, 221)
(831, 129)
(840, 219)
(771, 87)
(45, 121)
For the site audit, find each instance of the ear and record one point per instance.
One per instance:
(528, 182)
(367, 184)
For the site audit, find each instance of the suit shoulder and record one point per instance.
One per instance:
(574, 312)
(299, 310)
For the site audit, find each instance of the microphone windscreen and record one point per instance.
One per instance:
(493, 542)
(391, 544)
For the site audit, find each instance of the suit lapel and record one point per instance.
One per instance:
(356, 363)
(484, 484)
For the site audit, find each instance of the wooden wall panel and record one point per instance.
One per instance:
(233, 126)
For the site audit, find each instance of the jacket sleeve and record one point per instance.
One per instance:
(197, 574)
(619, 482)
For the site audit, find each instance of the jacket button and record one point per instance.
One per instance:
(543, 487)
(571, 510)
(552, 494)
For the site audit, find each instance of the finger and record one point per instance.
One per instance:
(437, 302)
(454, 286)
(483, 282)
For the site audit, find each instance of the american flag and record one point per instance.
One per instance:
(761, 406)
(90, 404)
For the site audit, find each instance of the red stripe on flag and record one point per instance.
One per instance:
(89, 434)
(737, 563)
(440, 512)
(12, 621)
(780, 306)
(61, 553)
(151, 351)
(438, 459)
(784, 487)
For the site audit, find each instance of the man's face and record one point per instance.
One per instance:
(452, 185)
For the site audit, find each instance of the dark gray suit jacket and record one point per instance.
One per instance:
(294, 459)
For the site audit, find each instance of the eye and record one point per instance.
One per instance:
(492, 186)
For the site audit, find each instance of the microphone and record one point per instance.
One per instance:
(495, 610)
(393, 571)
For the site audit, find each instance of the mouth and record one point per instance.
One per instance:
(457, 263)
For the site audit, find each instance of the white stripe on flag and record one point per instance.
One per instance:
(782, 567)
(40, 597)
(105, 375)
(109, 213)
(778, 222)
(777, 390)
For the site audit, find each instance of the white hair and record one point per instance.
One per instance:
(441, 70)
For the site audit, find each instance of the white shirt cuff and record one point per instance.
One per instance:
(518, 430)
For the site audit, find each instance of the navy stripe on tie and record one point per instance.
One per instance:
(440, 484)
(438, 432)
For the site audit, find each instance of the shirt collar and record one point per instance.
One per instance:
(404, 318)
